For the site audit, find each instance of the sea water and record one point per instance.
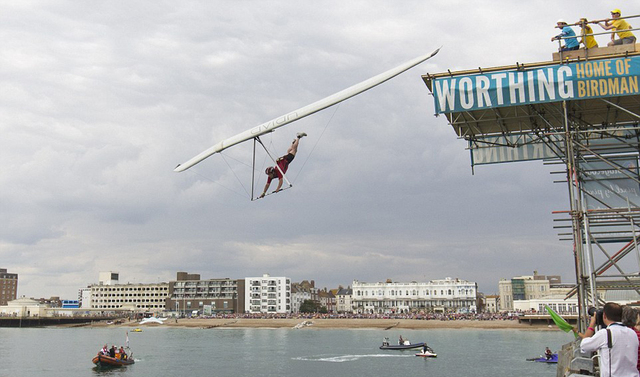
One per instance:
(166, 351)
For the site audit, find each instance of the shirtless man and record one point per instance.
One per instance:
(283, 162)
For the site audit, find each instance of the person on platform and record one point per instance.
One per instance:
(568, 35)
(587, 34)
(621, 27)
(616, 343)
(283, 163)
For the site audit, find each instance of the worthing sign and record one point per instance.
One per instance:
(581, 80)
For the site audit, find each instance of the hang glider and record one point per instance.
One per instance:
(302, 112)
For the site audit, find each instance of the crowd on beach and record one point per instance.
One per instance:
(502, 316)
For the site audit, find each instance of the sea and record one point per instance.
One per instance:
(193, 352)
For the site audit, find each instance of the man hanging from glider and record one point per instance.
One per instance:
(282, 165)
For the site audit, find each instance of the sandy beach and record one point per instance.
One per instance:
(385, 324)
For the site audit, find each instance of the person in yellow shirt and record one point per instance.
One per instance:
(587, 34)
(621, 27)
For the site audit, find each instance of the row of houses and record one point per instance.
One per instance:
(189, 294)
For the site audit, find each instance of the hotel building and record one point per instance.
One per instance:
(444, 295)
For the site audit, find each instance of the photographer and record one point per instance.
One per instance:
(616, 343)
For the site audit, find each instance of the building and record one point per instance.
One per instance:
(444, 295)
(70, 304)
(189, 294)
(491, 303)
(84, 296)
(24, 307)
(327, 300)
(8, 286)
(343, 300)
(300, 293)
(110, 295)
(108, 278)
(526, 288)
(267, 294)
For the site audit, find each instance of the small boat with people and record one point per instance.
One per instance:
(427, 352)
(403, 344)
(113, 357)
(548, 357)
(108, 361)
(544, 359)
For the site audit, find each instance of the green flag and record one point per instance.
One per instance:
(559, 321)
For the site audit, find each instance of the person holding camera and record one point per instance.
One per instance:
(616, 343)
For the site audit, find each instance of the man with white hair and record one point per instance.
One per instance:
(568, 35)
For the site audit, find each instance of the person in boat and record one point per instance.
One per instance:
(104, 351)
(400, 341)
(283, 163)
(385, 341)
(425, 349)
(112, 351)
(123, 355)
(547, 353)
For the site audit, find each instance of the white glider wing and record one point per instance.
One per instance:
(305, 111)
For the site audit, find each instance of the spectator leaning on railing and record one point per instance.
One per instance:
(621, 27)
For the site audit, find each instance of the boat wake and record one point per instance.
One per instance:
(345, 358)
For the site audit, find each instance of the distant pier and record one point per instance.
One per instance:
(49, 321)
(539, 319)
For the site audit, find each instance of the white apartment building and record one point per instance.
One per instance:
(135, 297)
(444, 295)
(267, 294)
(84, 296)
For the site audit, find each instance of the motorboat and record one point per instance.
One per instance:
(543, 359)
(405, 345)
(427, 352)
(108, 361)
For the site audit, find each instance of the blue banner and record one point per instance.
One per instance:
(573, 81)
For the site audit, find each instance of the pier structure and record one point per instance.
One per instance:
(580, 112)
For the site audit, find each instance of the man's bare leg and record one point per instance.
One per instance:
(293, 149)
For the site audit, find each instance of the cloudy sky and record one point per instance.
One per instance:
(99, 101)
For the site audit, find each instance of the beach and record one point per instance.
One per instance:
(325, 323)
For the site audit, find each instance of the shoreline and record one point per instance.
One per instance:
(323, 323)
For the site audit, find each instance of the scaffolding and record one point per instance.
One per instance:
(581, 113)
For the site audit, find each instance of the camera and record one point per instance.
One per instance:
(599, 313)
